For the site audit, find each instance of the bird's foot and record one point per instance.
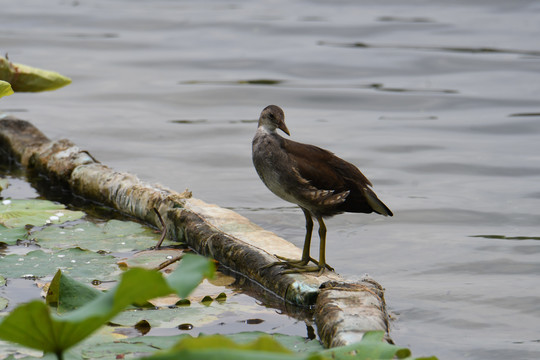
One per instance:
(304, 269)
(288, 263)
(298, 265)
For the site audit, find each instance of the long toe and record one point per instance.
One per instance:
(317, 263)
(287, 263)
(304, 269)
(292, 262)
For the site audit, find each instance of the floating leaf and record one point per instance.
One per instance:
(93, 349)
(152, 259)
(82, 264)
(266, 347)
(372, 346)
(135, 346)
(67, 294)
(293, 343)
(5, 90)
(34, 326)
(25, 78)
(220, 347)
(189, 274)
(10, 236)
(17, 213)
(113, 236)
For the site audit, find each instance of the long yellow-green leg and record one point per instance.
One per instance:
(307, 241)
(307, 245)
(322, 244)
(321, 264)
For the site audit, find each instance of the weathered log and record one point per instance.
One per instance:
(344, 311)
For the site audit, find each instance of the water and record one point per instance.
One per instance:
(437, 102)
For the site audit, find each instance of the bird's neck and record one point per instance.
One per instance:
(264, 129)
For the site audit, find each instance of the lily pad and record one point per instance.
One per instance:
(104, 344)
(114, 236)
(131, 346)
(152, 259)
(10, 236)
(33, 325)
(197, 314)
(81, 264)
(293, 343)
(221, 347)
(372, 346)
(209, 288)
(18, 213)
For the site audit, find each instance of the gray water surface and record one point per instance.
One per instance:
(437, 102)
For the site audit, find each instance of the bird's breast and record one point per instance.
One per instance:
(273, 165)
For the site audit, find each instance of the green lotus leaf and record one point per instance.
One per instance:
(25, 78)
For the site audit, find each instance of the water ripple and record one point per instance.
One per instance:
(454, 49)
(473, 169)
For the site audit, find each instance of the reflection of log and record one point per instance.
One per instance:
(344, 311)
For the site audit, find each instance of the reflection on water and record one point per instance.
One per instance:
(436, 102)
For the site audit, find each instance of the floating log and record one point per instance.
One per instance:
(344, 310)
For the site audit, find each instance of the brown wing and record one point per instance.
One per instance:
(325, 171)
(322, 168)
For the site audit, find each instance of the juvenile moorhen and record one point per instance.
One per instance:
(322, 184)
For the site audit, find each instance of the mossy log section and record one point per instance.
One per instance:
(344, 311)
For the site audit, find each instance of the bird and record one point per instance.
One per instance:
(319, 182)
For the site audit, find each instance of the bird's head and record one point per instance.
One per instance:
(272, 118)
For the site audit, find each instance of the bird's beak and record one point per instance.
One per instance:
(283, 127)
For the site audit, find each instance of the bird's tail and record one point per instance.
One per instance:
(376, 204)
